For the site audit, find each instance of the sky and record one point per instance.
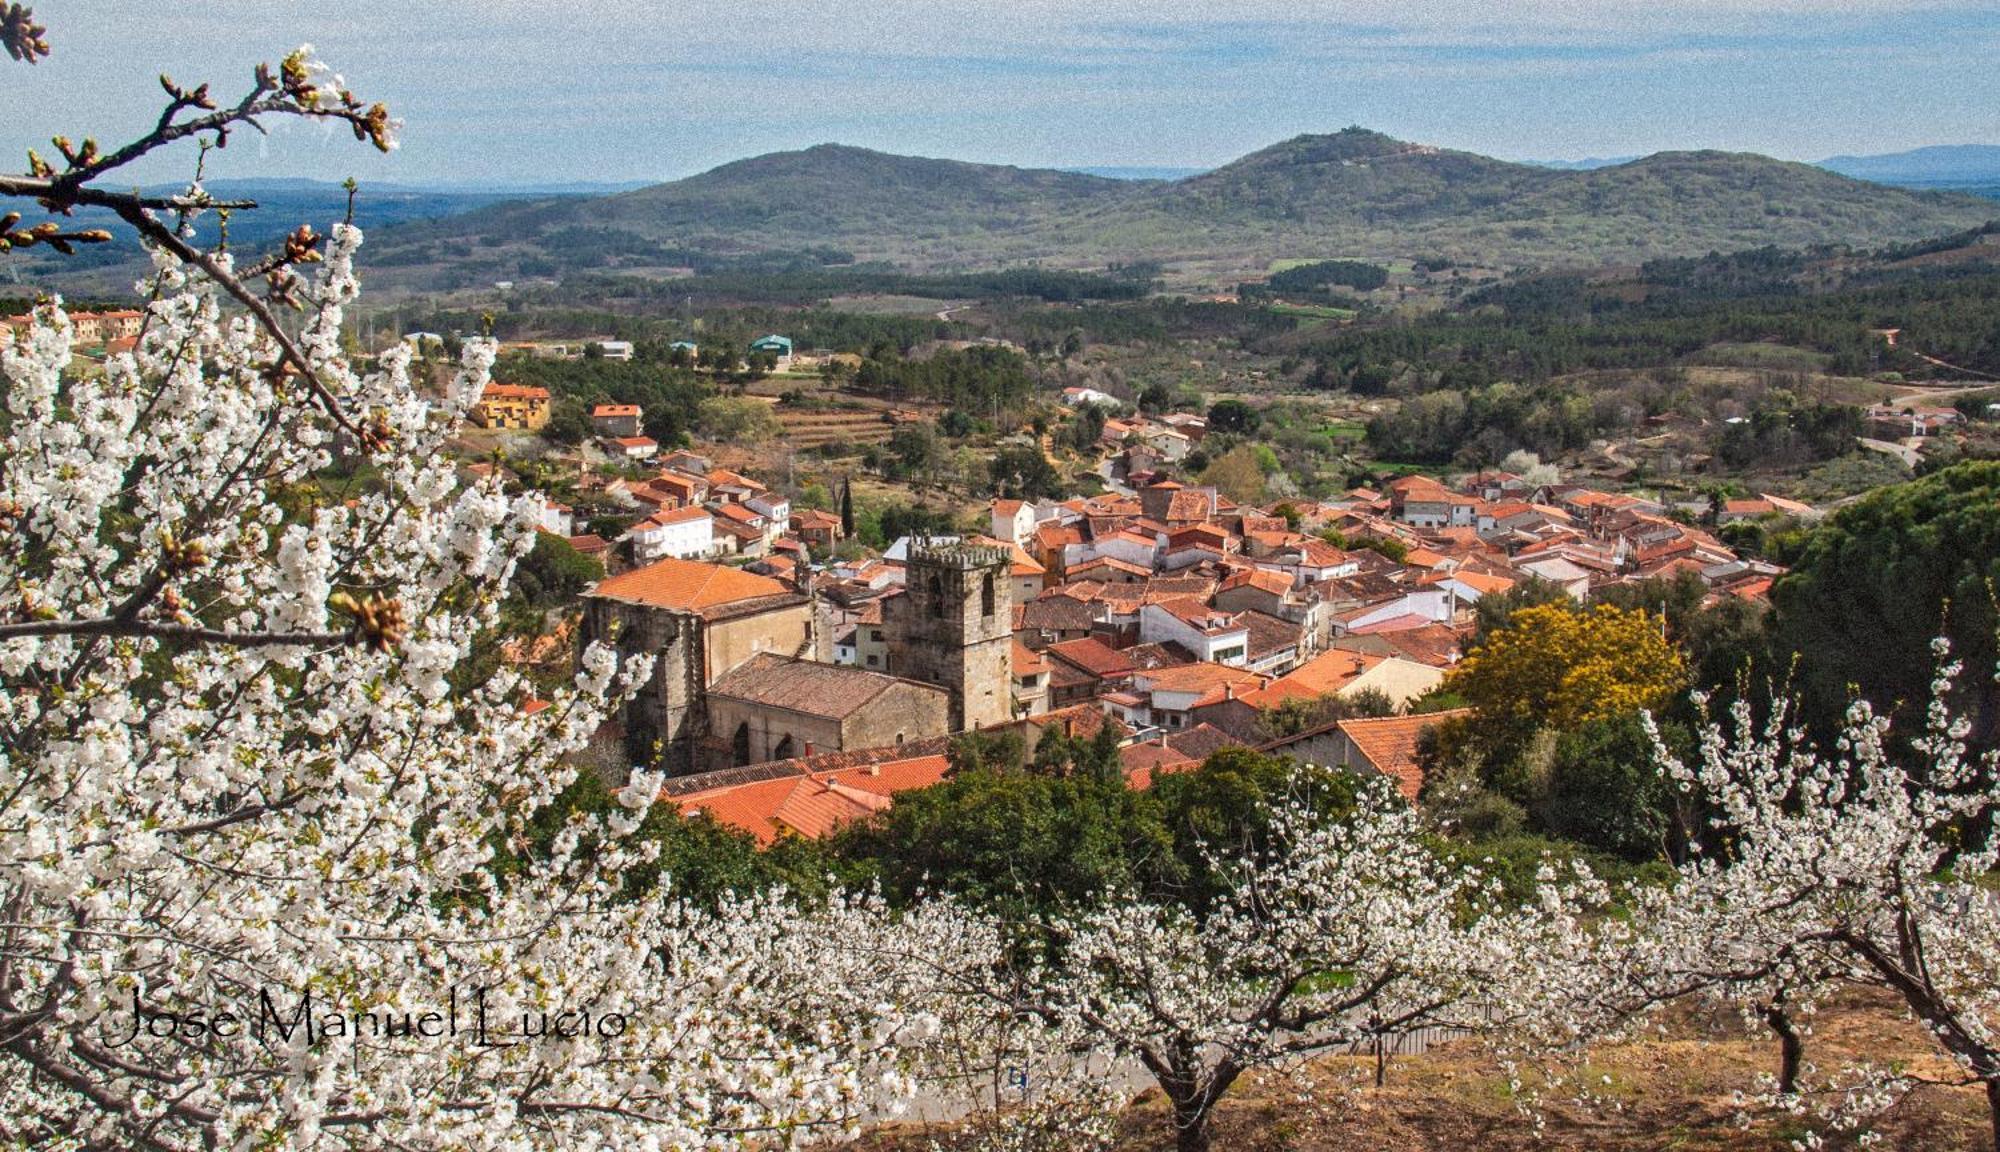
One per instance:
(545, 91)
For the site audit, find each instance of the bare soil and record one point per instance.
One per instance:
(1687, 1090)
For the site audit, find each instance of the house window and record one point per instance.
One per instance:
(875, 634)
(874, 660)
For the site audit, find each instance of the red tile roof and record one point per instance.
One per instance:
(812, 805)
(1093, 656)
(1389, 745)
(514, 392)
(688, 585)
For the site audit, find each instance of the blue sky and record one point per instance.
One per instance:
(508, 90)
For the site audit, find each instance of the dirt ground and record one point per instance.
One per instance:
(1679, 1091)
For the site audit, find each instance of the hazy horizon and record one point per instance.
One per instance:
(625, 92)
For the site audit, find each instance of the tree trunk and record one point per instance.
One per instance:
(1993, 1108)
(1190, 1130)
(1791, 1045)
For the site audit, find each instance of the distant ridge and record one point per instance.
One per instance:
(1586, 164)
(1350, 193)
(1940, 166)
(1122, 173)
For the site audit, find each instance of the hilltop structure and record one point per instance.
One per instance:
(739, 678)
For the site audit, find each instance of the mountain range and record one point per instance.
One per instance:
(1351, 193)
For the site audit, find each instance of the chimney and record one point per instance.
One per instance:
(1163, 737)
(873, 769)
(809, 749)
(1229, 690)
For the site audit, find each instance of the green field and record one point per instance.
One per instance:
(1313, 311)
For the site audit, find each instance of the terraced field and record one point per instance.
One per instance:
(810, 428)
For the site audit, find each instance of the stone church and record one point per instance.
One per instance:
(741, 677)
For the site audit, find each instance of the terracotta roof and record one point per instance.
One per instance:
(1753, 590)
(1327, 673)
(1023, 564)
(835, 691)
(1262, 579)
(1403, 622)
(1078, 720)
(1433, 644)
(1114, 564)
(1481, 582)
(1150, 758)
(1053, 535)
(688, 585)
(1093, 656)
(1202, 677)
(677, 516)
(814, 518)
(811, 804)
(514, 392)
(1188, 505)
(1199, 616)
(603, 410)
(1057, 613)
(677, 483)
(1389, 745)
(1027, 662)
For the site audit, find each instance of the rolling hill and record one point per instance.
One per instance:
(1353, 193)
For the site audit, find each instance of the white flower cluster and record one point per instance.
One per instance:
(247, 816)
(1867, 864)
(1345, 930)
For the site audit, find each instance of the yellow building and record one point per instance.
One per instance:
(512, 406)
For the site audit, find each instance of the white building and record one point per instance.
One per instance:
(1078, 397)
(1214, 637)
(1013, 520)
(683, 533)
(557, 518)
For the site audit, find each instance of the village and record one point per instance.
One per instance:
(801, 684)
